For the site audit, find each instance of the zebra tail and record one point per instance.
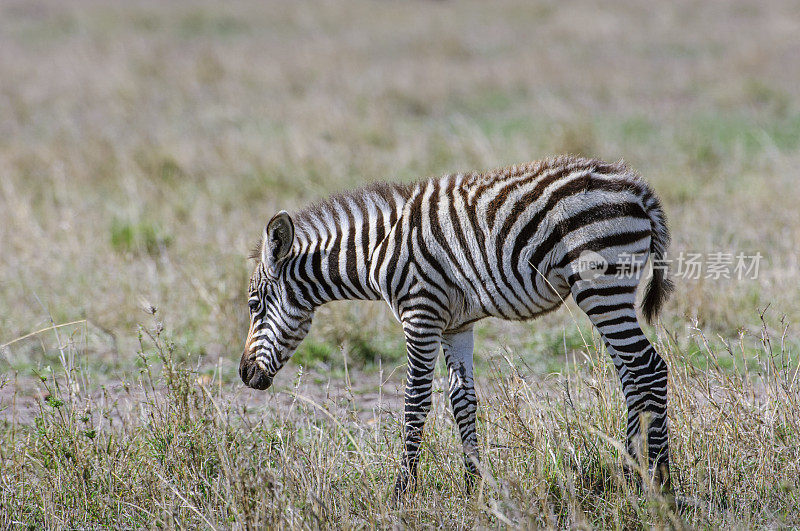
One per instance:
(659, 287)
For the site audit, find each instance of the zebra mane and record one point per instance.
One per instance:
(376, 190)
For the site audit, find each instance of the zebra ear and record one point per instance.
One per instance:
(278, 238)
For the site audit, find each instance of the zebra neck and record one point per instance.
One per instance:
(334, 264)
(337, 238)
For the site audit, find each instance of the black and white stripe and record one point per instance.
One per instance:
(447, 252)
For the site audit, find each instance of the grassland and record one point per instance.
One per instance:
(143, 146)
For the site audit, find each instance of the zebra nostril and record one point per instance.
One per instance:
(259, 379)
(246, 367)
(243, 372)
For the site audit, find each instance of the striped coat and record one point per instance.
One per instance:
(447, 252)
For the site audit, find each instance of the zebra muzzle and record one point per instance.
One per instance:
(252, 375)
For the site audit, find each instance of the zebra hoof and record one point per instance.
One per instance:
(404, 485)
(656, 480)
(470, 480)
(662, 479)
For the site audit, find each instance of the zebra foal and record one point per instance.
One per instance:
(447, 252)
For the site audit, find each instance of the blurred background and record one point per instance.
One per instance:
(143, 145)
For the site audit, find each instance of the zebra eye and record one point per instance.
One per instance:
(253, 304)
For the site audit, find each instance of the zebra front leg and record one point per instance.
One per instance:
(457, 349)
(422, 346)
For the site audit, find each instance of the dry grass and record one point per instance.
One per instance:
(142, 147)
(176, 450)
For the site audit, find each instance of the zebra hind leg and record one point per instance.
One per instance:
(610, 304)
(457, 349)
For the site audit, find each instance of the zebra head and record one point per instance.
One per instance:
(278, 321)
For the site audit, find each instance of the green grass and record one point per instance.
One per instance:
(143, 237)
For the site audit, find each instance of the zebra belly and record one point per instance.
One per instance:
(500, 297)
